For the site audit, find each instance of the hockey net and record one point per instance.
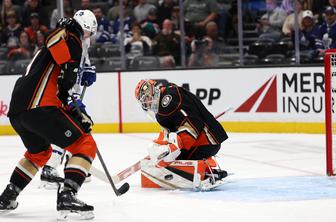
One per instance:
(330, 117)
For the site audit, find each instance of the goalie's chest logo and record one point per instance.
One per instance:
(166, 100)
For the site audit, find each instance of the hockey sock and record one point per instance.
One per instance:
(23, 174)
(75, 172)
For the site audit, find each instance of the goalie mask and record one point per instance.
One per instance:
(148, 94)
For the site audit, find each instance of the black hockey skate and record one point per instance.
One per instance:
(219, 174)
(50, 178)
(67, 203)
(8, 199)
(216, 174)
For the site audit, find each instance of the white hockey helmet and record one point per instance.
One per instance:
(148, 94)
(87, 20)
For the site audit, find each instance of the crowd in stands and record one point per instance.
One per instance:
(152, 27)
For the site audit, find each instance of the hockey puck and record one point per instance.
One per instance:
(168, 177)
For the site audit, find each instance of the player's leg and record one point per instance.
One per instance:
(67, 133)
(50, 176)
(37, 154)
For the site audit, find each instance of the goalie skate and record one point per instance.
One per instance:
(8, 199)
(67, 203)
(209, 185)
(50, 178)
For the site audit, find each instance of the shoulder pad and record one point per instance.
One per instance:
(170, 100)
(55, 37)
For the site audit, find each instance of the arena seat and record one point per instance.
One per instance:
(273, 59)
(261, 48)
(110, 64)
(145, 62)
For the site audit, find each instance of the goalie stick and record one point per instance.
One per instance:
(125, 187)
(133, 168)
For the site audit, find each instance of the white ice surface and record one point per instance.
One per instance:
(277, 177)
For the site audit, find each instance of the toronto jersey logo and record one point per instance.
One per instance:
(263, 100)
(3, 108)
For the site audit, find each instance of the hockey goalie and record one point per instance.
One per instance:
(182, 157)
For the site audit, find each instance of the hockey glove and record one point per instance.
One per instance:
(164, 154)
(88, 74)
(81, 116)
(70, 24)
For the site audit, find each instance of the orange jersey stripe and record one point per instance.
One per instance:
(49, 97)
(38, 86)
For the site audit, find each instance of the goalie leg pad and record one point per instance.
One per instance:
(164, 177)
(181, 174)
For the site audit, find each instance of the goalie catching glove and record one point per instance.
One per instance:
(82, 116)
(163, 152)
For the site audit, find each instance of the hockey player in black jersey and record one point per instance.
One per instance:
(190, 131)
(40, 113)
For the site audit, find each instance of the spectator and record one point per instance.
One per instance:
(326, 35)
(141, 10)
(175, 18)
(113, 13)
(150, 26)
(40, 38)
(213, 33)
(332, 3)
(55, 16)
(165, 10)
(23, 51)
(232, 25)
(6, 7)
(34, 27)
(85, 4)
(127, 27)
(289, 23)
(166, 45)
(307, 34)
(269, 25)
(33, 6)
(287, 6)
(319, 7)
(137, 45)
(104, 28)
(200, 49)
(200, 12)
(223, 16)
(11, 33)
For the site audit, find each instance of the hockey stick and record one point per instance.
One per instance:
(118, 177)
(133, 168)
(222, 113)
(125, 187)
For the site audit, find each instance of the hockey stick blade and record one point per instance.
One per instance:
(123, 189)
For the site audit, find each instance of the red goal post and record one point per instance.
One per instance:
(330, 123)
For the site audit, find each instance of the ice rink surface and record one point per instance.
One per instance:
(277, 177)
